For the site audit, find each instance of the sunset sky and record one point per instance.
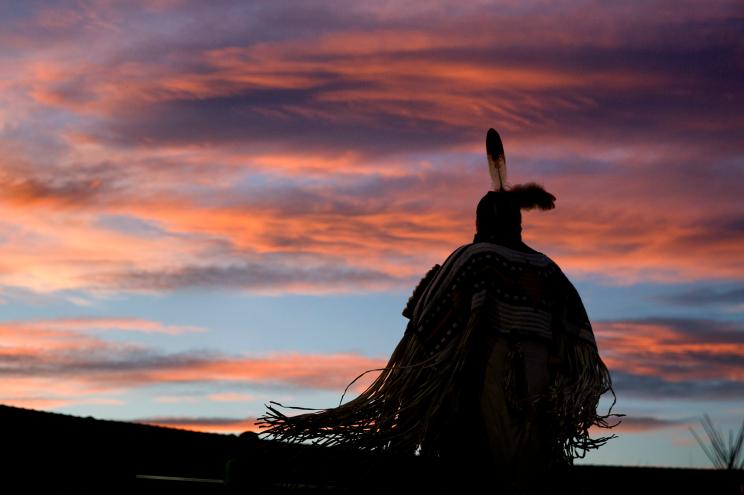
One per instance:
(205, 206)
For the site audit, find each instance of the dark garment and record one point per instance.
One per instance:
(494, 440)
(498, 368)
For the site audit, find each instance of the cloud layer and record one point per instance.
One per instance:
(51, 363)
(674, 358)
(207, 424)
(347, 154)
(659, 358)
(155, 147)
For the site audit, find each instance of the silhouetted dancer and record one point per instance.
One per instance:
(498, 370)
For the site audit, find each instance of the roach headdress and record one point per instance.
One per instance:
(499, 211)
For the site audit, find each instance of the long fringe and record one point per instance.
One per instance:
(403, 407)
(395, 413)
(573, 399)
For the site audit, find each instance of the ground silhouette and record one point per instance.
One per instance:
(45, 452)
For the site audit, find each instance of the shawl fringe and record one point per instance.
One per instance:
(395, 413)
(401, 410)
(407, 406)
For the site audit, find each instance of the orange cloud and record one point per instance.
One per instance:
(315, 371)
(50, 392)
(640, 424)
(356, 147)
(674, 350)
(205, 424)
(49, 363)
(53, 363)
(36, 354)
(60, 325)
(629, 242)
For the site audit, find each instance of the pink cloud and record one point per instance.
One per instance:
(81, 324)
(675, 350)
(641, 424)
(205, 424)
(629, 242)
(327, 146)
(314, 371)
(50, 362)
(36, 353)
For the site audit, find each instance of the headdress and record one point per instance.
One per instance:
(525, 196)
(500, 209)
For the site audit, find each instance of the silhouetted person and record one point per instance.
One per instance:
(498, 371)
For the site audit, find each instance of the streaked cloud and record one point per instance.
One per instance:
(206, 424)
(649, 387)
(638, 424)
(646, 423)
(82, 324)
(359, 138)
(257, 276)
(707, 296)
(674, 357)
(653, 357)
(629, 425)
(154, 147)
(90, 368)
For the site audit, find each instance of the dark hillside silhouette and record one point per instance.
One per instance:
(46, 452)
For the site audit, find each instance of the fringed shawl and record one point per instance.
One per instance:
(481, 287)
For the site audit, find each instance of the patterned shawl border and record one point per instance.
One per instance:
(435, 318)
(459, 262)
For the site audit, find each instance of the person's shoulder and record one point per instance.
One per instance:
(550, 262)
(458, 253)
(530, 257)
(559, 278)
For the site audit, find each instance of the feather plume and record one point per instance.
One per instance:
(496, 160)
(531, 195)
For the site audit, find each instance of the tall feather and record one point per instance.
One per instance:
(496, 160)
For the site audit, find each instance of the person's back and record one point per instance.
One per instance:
(498, 369)
(501, 419)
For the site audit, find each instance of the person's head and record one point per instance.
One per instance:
(499, 217)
